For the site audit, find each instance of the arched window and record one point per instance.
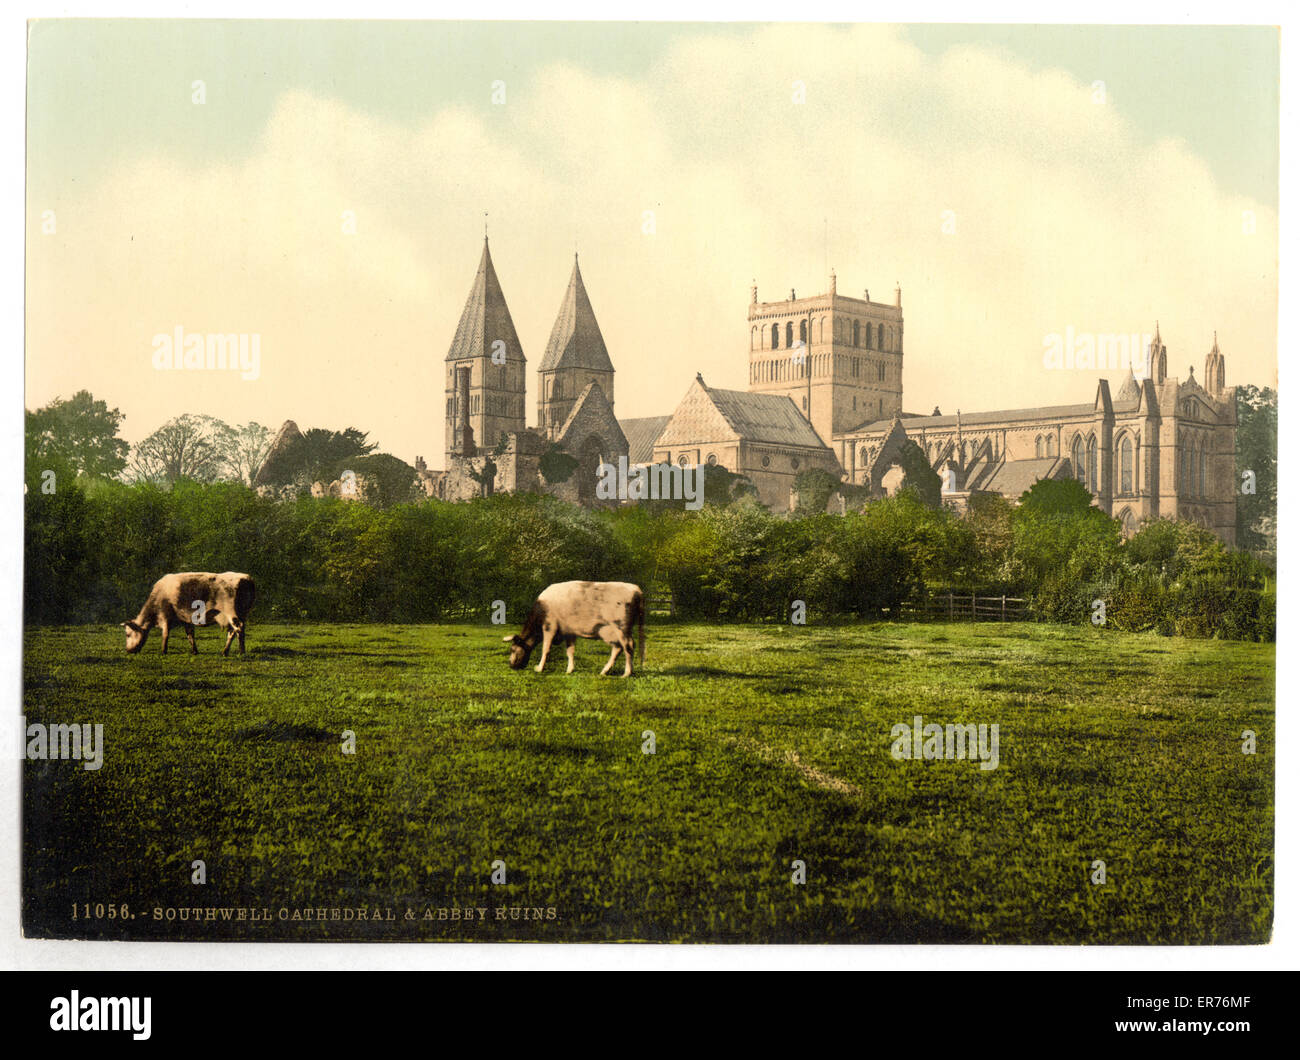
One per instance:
(866, 337)
(880, 336)
(789, 334)
(1091, 482)
(1076, 457)
(1200, 475)
(1038, 446)
(776, 336)
(1128, 522)
(821, 330)
(803, 331)
(880, 372)
(1051, 445)
(1125, 465)
(857, 333)
(753, 337)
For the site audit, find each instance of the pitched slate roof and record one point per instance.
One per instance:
(1016, 476)
(641, 435)
(485, 318)
(977, 419)
(576, 341)
(772, 418)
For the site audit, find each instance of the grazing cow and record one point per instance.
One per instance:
(190, 599)
(569, 610)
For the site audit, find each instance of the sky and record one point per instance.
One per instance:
(323, 185)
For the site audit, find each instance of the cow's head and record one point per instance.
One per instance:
(135, 636)
(520, 650)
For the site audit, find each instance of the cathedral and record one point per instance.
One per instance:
(825, 391)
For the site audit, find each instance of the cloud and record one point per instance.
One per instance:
(1063, 216)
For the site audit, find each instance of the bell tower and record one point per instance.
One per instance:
(485, 369)
(575, 356)
(838, 358)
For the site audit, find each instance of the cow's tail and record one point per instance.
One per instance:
(640, 633)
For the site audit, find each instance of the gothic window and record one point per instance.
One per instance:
(865, 459)
(1128, 522)
(1200, 475)
(1050, 447)
(1091, 482)
(803, 331)
(866, 336)
(776, 336)
(1038, 446)
(880, 372)
(789, 334)
(1076, 457)
(1126, 466)
(880, 336)
(857, 333)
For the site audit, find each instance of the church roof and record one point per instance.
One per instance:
(772, 418)
(485, 318)
(641, 435)
(592, 413)
(1015, 476)
(978, 419)
(576, 341)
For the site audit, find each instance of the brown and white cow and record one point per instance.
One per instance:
(190, 599)
(569, 610)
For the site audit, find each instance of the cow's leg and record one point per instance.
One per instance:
(570, 643)
(548, 635)
(166, 632)
(613, 654)
(189, 634)
(241, 638)
(230, 635)
(629, 646)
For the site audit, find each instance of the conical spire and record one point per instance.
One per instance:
(1128, 391)
(576, 341)
(485, 319)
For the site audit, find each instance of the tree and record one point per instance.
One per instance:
(918, 476)
(79, 434)
(242, 451)
(1257, 453)
(188, 446)
(813, 487)
(310, 456)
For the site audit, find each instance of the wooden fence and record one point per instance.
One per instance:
(969, 607)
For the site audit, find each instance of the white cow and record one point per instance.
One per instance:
(569, 610)
(193, 598)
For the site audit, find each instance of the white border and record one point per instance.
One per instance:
(16, 952)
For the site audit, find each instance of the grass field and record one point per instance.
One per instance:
(772, 745)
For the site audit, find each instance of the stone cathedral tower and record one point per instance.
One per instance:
(575, 357)
(839, 359)
(486, 369)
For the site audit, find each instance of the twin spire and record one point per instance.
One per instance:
(575, 342)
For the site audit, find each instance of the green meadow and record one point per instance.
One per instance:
(771, 746)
